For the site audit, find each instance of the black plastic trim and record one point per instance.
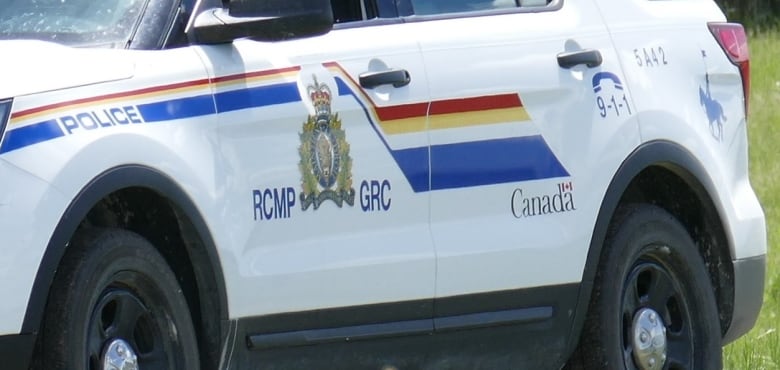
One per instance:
(749, 274)
(399, 328)
(662, 153)
(487, 319)
(108, 182)
(492, 330)
(16, 351)
(349, 333)
(555, 296)
(340, 317)
(413, 330)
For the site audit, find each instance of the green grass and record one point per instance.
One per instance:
(760, 348)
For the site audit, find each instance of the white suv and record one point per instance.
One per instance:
(434, 184)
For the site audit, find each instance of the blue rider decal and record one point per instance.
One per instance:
(713, 108)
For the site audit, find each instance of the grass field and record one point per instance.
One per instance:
(760, 349)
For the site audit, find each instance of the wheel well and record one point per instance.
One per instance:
(679, 193)
(159, 220)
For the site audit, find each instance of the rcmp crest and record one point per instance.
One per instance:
(326, 167)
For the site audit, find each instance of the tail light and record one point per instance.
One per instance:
(733, 40)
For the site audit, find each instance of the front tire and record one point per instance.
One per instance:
(652, 305)
(116, 302)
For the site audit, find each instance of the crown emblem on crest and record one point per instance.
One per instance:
(320, 96)
(326, 167)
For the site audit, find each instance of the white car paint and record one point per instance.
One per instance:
(416, 238)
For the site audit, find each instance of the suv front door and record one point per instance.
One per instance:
(325, 172)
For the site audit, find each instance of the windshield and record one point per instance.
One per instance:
(105, 23)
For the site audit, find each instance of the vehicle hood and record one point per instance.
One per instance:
(29, 67)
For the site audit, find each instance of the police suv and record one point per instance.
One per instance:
(374, 184)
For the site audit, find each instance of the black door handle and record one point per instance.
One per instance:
(588, 57)
(395, 77)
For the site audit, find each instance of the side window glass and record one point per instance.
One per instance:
(431, 7)
(353, 10)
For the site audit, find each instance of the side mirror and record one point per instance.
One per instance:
(266, 20)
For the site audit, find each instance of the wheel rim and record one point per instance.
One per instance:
(648, 339)
(650, 290)
(119, 356)
(121, 322)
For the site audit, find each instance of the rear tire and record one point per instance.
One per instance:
(650, 270)
(114, 292)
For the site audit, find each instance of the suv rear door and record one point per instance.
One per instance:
(524, 141)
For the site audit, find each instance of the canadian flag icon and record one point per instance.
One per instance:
(565, 186)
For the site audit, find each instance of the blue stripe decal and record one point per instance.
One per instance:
(414, 164)
(29, 135)
(493, 162)
(257, 97)
(344, 89)
(189, 107)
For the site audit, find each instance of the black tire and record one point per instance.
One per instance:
(113, 284)
(650, 263)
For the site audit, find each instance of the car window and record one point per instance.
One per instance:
(345, 11)
(106, 23)
(428, 7)
(3, 112)
(348, 10)
(431, 7)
